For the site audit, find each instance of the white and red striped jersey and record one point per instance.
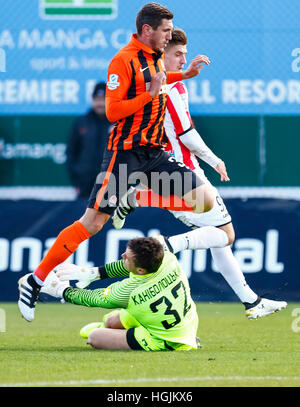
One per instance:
(185, 143)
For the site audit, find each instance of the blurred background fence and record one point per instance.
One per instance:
(246, 106)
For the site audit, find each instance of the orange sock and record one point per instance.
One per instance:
(65, 244)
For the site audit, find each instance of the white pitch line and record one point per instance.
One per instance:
(146, 380)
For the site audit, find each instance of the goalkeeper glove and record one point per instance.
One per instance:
(53, 286)
(84, 275)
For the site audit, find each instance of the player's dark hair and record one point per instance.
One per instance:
(178, 38)
(148, 253)
(152, 14)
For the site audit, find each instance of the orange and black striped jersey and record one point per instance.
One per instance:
(139, 117)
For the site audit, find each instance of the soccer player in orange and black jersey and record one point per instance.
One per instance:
(136, 101)
(139, 116)
(139, 112)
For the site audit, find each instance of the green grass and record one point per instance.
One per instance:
(235, 352)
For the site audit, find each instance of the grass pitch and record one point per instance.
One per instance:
(49, 352)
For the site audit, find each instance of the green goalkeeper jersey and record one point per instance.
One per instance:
(159, 301)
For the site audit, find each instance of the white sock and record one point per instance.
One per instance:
(201, 238)
(230, 269)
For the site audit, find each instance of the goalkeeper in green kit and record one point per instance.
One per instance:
(157, 312)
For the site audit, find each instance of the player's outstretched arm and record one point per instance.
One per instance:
(188, 135)
(195, 66)
(114, 296)
(86, 275)
(194, 142)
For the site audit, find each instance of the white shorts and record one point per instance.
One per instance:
(217, 216)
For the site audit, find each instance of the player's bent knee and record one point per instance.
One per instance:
(231, 237)
(94, 220)
(113, 321)
(229, 230)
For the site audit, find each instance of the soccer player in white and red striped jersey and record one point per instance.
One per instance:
(212, 230)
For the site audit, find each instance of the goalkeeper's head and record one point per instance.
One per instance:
(143, 255)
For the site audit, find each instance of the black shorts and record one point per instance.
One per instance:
(149, 166)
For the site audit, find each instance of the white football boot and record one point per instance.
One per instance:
(126, 205)
(29, 293)
(263, 308)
